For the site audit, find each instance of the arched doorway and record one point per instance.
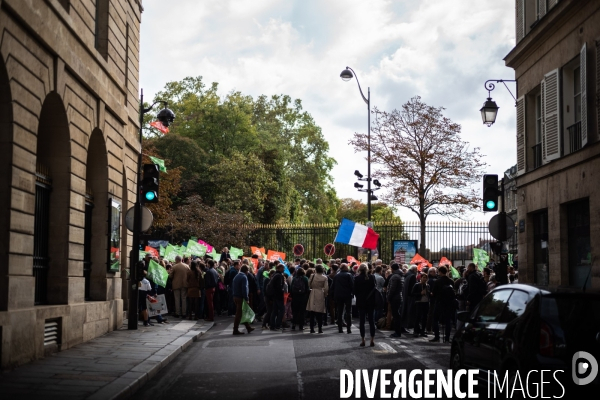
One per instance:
(52, 204)
(6, 143)
(95, 266)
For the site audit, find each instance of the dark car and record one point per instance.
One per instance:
(520, 328)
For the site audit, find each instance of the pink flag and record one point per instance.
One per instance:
(209, 248)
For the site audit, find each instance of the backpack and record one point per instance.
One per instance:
(448, 297)
(298, 285)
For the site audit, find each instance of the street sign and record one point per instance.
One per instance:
(496, 230)
(147, 219)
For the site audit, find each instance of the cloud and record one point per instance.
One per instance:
(442, 50)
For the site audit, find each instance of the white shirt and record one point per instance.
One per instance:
(146, 285)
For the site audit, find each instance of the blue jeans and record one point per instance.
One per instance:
(277, 313)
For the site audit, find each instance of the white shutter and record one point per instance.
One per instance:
(521, 139)
(520, 22)
(551, 3)
(551, 118)
(583, 73)
(542, 8)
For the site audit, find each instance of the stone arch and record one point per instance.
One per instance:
(52, 247)
(6, 143)
(97, 186)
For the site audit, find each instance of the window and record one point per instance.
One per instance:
(41, 239)
(102, 27)
(540, 248)
(515, 307)
(537, 148)
(580, 255)
(574, 108)
(577, 93)
(491, 307)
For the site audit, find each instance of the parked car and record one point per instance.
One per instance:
(521, 328)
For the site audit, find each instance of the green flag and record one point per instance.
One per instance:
(481, 258)
(510, 259)
(142, 255)
(160, 163)
(170, 252)
(236, 253)
(196, 248)
(161, 250)
(455, 274)
(157, 274)
(215, 256)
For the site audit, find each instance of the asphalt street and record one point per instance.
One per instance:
(288, 365)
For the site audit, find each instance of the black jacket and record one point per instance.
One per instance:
(277, 282)
(343, 286)
(363, 290)
(211, 278)
(417, 288)
(475, 290)
(395, 285)
(436, 289)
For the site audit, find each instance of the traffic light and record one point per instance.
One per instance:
(490, 193)
(150, 184)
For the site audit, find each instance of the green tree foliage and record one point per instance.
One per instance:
(356, 210)
(265, 158)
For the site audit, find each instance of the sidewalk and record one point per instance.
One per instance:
(113, 366)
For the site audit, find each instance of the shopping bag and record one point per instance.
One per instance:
(247, 313)
(159, 306)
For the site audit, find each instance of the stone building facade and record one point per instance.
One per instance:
(557, 66)
(69, 111)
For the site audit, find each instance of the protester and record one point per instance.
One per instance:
(268, 301)
(193, 290)
(342, 287)
(408, 311)
(299, 295)
(395, 286)
(444, 299)
(476, 287)
(379, 301)
(365, 289)
(275, 289)
(179, 273)
(211, 280)
(319, 289)
(421, 292)
(240, 294)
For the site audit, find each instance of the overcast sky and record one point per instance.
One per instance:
(441, 50)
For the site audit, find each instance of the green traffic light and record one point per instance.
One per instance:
(490, 204)
(150, 196)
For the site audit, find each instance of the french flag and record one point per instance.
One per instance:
(357, 235)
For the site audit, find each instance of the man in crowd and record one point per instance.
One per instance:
(444, 300)
(275, 289)
(240, 294)
(179, 274)
(229, 276)
(211, 280)
(343, 287)
(394, 294)
(476, 286)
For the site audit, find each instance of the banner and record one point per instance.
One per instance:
(195, 248)
(171, 252)
(158, 308)
(160, 126)
(351, 260)
(159, 162)
(209, 248)
(214, 255)
(480, 258)
(157, 274)
(273, 255)
(259, 251)
(161, 251)
(235, 253)
(454, 273)
(152, 251)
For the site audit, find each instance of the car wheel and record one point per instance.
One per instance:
(456, 360)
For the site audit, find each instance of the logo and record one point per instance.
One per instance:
(583, 363)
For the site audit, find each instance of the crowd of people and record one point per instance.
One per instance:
(405, 299)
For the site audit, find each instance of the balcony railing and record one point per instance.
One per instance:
(537, 155)
(574, 137)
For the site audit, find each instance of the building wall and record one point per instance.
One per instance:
(555, 42)
(68, 100)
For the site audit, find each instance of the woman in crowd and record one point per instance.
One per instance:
(364, 290)
(319, 288)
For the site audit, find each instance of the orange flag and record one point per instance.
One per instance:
(275, 255)
(417, 259)
(259, 251)
(351, 259)
(152, 251)
(160, 126)
(445, 261)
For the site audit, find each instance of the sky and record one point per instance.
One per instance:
(441, 50)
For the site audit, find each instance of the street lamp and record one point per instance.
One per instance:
(165, 116)
(489, 111)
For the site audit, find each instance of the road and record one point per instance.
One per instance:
(289, 365)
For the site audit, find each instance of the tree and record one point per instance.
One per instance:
(423, 162)
(356, 210)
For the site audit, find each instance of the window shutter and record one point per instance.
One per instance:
(583, 73)
(550, 115)
(551, 3)
(520, 23)
(542, 8)
(521, 148)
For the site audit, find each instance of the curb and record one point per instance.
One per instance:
(126, 385)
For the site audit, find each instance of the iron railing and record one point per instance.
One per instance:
(452, 239)
(574, 137)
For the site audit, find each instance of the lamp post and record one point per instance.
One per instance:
(165, 116)
(489, 111)
(346, 75)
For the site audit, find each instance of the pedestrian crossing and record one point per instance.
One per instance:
(327, 330)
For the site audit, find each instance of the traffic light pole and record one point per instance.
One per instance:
(132, 314)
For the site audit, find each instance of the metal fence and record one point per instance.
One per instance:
(454, 240)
